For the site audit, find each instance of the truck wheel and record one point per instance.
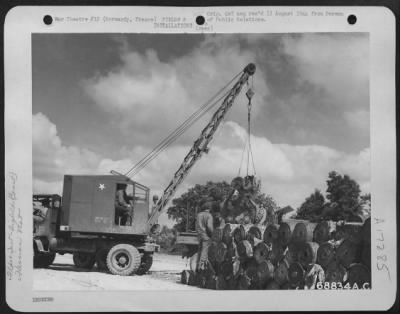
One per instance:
(145, 265)
(84, 260)
(101, 259)
(43, 260)
(123, 260)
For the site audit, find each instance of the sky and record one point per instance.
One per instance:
(103, 101)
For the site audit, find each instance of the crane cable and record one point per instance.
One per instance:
(249, 94)
(167, 143)
(173, 136)
(180, 130)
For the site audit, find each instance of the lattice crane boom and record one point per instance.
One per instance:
(201, 144)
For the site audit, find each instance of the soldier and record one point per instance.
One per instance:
(123, 205)
(204, 228)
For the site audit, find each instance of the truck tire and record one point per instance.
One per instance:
(123, 260)
(101, 259)
(84, 260)
(43, 260)
(145, 265)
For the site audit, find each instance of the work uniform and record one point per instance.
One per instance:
(123, 208)
(204, 228)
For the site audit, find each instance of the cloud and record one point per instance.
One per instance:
(51, 157)
(289, 172)
(358, 119)
(319, 90)
(337, 64)
(164, 94)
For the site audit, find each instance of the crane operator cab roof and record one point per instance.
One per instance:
(104, 204)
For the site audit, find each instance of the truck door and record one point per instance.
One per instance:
(103, 205)
(140, 209)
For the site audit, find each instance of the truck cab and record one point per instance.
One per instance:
(90, 205)
(89, 225)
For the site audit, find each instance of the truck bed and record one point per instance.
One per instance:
(187, 238)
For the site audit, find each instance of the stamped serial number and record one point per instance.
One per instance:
(340, 286)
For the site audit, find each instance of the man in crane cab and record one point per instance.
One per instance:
(204, 228)
(123, 206)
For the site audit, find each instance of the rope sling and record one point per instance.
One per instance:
(249, 94)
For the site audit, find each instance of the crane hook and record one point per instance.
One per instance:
(250, 94)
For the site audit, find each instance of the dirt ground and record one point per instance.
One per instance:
(63, 275)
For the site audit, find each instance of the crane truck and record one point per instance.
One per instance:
(84, 221)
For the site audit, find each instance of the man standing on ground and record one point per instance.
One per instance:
(204, 228)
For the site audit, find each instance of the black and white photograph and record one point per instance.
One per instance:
(246, 154)
(175, 160)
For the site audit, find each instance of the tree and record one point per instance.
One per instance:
(312, 206)
(185, 208)
(268, 203)
(365, 205)
(166, 238)
(343, 194)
